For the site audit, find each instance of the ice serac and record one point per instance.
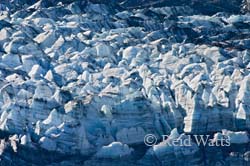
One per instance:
(173, 148)
(114, 150)
(240, 137)
(242, 104)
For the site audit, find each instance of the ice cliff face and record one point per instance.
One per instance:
(83, 82)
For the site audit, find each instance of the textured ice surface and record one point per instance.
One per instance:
(82, 82)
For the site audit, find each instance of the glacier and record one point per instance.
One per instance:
(83, 82)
